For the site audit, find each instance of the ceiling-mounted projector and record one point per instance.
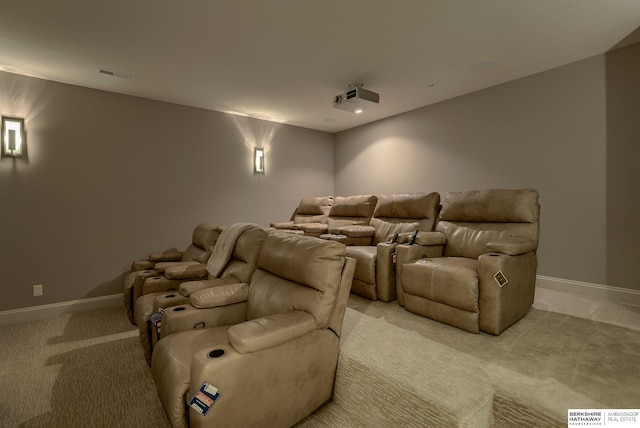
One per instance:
(355, 99)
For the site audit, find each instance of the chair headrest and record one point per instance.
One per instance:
(303, 259)
(408, 205)
(492, 206)
(206, 235)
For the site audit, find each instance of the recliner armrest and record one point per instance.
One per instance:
(185, 317)
(170, 255)
(506, 285)
(138, 265)
(385, 271)
(283, 225)
(512, 246)
(220, 296)
(155, 284)
(192, 271)
(270, 331)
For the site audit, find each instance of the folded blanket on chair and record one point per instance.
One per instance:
(224, 247)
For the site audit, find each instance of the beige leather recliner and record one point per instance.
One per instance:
(477, 270)
(375, 274)
(234, 259)
(345, 211)
(314, 209)
(203, 239)
(276, 364)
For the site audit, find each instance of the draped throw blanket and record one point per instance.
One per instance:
(224, 247)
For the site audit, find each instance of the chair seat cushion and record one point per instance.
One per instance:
(162, 266)
(452, 281)
(318, 228)
(365, 262)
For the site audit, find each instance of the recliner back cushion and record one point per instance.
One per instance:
(351, 210)
(246, 252)
(313, 209)
(205, 236)
(353, 206)
(492, 206)
(195, 253)
(515, 210)
(408, 205)
(296, 273)
(404, 212)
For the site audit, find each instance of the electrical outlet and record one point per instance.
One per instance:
(38, 290)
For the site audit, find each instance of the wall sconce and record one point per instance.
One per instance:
(258, 160)
(13, 136)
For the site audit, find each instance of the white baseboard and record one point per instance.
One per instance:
(43, 311)
(587, 289)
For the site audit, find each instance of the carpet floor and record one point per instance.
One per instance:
(399, 369)
(396, 369)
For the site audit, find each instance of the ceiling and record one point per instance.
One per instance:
(285, 60)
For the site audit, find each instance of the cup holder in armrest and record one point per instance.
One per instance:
(179, 308)
(216, 353)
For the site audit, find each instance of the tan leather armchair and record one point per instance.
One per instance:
(285, 343)
(477, 270)
(234, 259)
(370, 246)
(314, 209)
(203, 239)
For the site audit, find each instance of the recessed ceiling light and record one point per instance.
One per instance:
(358, 111)
(483, 65)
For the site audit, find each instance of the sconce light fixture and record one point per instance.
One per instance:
(258, 160)
(13, 136)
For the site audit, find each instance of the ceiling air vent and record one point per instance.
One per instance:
(114, 73)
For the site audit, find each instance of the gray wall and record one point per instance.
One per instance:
(623, 166)
(110, 177)
(553, 131)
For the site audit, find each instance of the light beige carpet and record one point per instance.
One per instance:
(76, 370)
(396, 369)
(399, 369)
